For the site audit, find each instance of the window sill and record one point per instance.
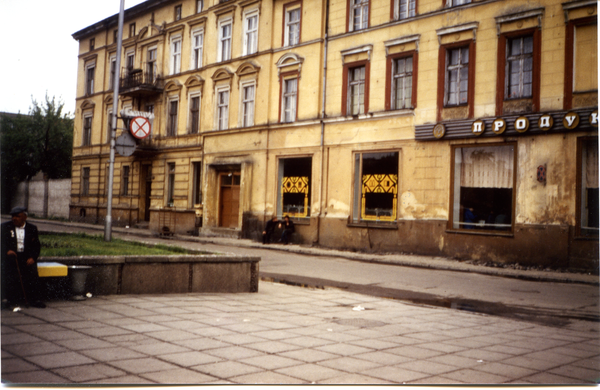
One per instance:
(481, 233)
(374, 225)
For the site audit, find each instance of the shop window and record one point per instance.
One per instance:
(483, 188)
(376, 187)
(588, 187)
(294, 187)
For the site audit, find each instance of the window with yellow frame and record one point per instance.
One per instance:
(376, 187)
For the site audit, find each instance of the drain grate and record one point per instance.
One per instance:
(359, 322)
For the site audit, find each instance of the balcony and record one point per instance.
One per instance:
(140, 83)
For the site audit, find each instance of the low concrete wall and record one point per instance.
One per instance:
(31, 195)
(166, 274)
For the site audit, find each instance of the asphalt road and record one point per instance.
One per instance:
(571, 305)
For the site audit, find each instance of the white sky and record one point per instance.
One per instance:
(38, 53)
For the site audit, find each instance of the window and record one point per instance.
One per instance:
(85, 181)
(404, 9)
(113, 72)
(587, 183)
(150, 108)
(248, 104)
(92, 43)
(197, 183)
(457, 77)
(250, 33)
(130, 60)
(294, 188)
(151, 69)
(224, 49)
(356, 91)
(177, 12)
(87, 130)
(375, 187)
(454, 3)
(402, 83)
(197, 46)
(172, 118)
(581, 63)
(289, 99)
(293, 13)
(109, 119)
(199, 6)
(483, 187)
(222, 109)
(125, 180)
(358, 15)
(175, 55)
(131, 30)
(115, 35)
(194, 114)
(90, 74)
(170, 183)
(519, 67)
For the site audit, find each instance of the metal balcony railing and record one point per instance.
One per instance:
(142, 81)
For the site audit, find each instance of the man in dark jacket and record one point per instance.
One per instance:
(288, 228)
(269, 230)
(20, 251)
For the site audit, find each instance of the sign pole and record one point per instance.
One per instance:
(113, 133)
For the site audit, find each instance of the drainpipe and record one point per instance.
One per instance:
(321, 205)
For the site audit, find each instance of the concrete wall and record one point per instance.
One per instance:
(166, 274)
(59, 196)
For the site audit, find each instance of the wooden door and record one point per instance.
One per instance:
(229, 202)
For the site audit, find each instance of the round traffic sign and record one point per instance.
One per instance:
(140, 127)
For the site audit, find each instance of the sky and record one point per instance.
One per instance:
(38, 55)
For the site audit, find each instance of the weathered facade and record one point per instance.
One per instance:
(440, 127)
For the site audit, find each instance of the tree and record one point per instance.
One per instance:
(40, 141)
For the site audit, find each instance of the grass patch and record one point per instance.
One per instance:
(81, 244)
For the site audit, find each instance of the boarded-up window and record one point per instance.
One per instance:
(585, 67)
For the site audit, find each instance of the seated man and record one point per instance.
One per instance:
(269, 230)
(288, 228)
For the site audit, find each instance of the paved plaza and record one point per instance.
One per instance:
(286, 335)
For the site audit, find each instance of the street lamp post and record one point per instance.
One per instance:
(113, 134)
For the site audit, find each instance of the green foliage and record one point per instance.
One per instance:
(40, 141)
(81, 244)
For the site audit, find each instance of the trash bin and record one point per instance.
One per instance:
(78, 275)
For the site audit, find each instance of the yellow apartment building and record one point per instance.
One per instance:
(454, 128)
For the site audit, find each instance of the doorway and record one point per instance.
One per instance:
(229, 200)
(146, 190)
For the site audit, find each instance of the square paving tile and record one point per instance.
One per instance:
(344, 349)
(309, 355)
(111, 354)
(88, 373)
(267, 377)
(142, 365)
(200, 344)
(33, 377)
(394, 374)
(16, 365)
(189, 359)
(62, 359)
(29, 349)
(227, 369)
(349, 364)
(234, 352)
(310, 372)
(271, 362)
(471, 376)
(159, 348)
(179, 376)
(353, 379)
(414, 352)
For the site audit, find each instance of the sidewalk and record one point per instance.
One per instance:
(285, 335)
(409, 260)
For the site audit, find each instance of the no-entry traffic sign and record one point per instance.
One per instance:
(140, 127)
